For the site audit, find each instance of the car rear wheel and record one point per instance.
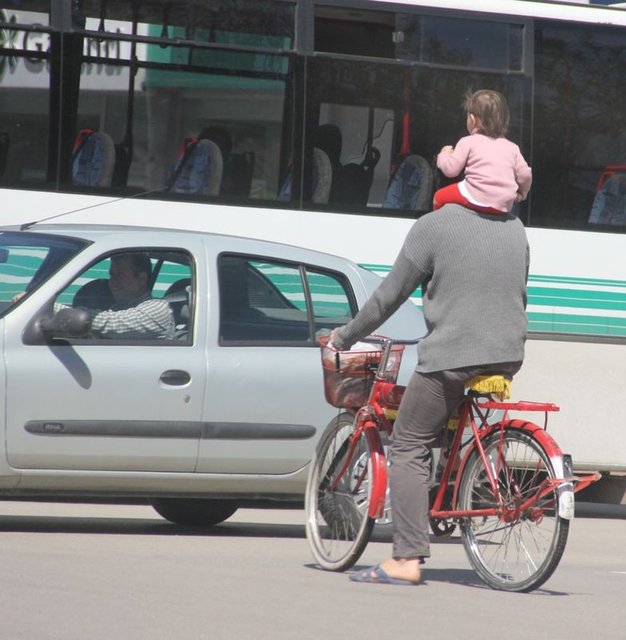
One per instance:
(195, 512)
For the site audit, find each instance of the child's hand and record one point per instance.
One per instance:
(519, 197)
(447, 149)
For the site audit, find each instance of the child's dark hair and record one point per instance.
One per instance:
(491, 110)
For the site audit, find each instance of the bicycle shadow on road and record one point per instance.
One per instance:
(460, 577)
(464, 577)
(468, 578)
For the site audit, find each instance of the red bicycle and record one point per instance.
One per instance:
(505, 482)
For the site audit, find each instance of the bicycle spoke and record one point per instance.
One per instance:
(337, 498)
(514, 549)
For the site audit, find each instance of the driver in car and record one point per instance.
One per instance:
(135, 314)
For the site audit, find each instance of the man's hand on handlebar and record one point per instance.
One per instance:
(331, 339)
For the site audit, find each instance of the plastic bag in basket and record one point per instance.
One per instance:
(349, 375)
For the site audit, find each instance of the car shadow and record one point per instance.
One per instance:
(107, 525)
(143, 526)
(136, 525)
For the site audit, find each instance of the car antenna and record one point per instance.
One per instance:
(28, 225)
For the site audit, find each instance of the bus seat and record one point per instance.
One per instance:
(321, 180)
(5, 144)
(609, 203)
(238, 172)
(237, 167)
(327, 137)
(352, 182)
(93, 159)
(284, 190)
(198, 169)
(411, 186)
(325, 144)
(221, 137)
(322, 176)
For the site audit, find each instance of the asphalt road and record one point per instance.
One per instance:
(119, 572)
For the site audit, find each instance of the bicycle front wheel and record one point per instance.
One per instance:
(337, 497)
(516, 550)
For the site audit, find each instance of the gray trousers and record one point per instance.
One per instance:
(429, 400)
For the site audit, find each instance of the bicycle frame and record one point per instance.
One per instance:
(371, 419)
(367, 422)
(474, 413)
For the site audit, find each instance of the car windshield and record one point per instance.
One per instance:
(29, 259)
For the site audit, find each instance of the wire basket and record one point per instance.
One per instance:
(349, 375)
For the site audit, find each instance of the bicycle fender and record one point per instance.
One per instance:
(378, 463)
(539, 433)
(553, 451)
(561, 468)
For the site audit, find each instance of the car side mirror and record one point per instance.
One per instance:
(66, 323)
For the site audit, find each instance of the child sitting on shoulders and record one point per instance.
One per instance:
(496, 174)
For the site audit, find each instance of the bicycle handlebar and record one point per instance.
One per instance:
(387, 344)
(391, 341)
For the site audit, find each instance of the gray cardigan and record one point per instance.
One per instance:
(473, 270)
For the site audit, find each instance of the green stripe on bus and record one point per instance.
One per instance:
(572, 296)
(577, 298)
(568, 324)
(593, 282)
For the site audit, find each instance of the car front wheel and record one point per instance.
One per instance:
(195, 512)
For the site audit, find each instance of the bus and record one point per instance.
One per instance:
(316, 122)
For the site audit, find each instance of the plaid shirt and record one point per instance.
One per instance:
(144, 319)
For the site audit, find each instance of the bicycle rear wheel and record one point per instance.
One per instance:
(338, 496)
(516, 551)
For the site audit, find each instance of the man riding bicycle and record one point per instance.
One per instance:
(473, 269)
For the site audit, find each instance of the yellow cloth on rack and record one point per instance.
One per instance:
(498, 385)
(391, 414)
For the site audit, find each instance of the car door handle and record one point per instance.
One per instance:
(175, 377)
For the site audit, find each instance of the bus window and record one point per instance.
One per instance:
(408, 110)
(24, 97)
(364, 145)
(356, 128)
(185, 75)
(579, 127)
(460, 42)
(354, 31)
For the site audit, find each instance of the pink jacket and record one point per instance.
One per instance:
(495, 170)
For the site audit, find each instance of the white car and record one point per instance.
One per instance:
(225, 411)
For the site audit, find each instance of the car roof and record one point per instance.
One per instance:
(407, 322)
(99, 232)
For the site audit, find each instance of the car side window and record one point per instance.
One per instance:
(174, 283)
(266, 301)
(136, 295)
(18, 271)
(330, 300)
